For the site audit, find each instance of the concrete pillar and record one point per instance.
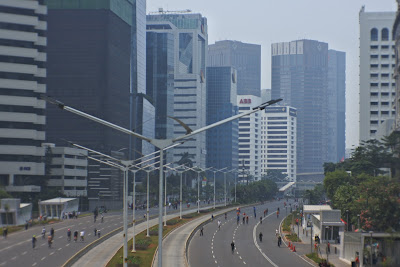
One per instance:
(57, 215)
(51, 210)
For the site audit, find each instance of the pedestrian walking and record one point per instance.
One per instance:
(43, 232)
(244, 219)
(201, 231)
(212, 217)
(219, 225)
(82, 236)
(5, 232)
(233, 246)
(49, 240)
(69, 235)
(328, 247)
(95, 231)
(247, 219)
(34, 241)
(52, 233)
(237, 219)
(98, 233)
(75, 236)
(260, 219)
(260, 236)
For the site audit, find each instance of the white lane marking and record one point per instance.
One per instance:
(42, 258)
(237, 252)
(213, 257)
(51, 253)
(34, 264)
(59, 249)
(60, 237)
(67, 245)
(79, 223)
(216, 262)
(43, 244)
(23, 253)
(13, 258)
(244, 262)
(3, 263)
(240, 257)
(258, 247)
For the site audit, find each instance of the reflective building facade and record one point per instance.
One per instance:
(190, 44)
(160, 82)
(89, 51)
(245, 58)
(222, 141)
(300, 77)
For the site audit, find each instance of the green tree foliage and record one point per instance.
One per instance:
(316, 195)
(256, 191)
(4, 194)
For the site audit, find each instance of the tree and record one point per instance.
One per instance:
(4, 194)
(333, 180)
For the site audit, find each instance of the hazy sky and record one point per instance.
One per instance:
(269, 21)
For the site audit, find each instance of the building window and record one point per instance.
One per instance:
(385, 34)
(373, 47)
(374, 56)
(374, 34)
(374, 94)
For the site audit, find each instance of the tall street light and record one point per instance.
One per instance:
(225, 172)
(161, 144)
(215, 171)
(198, 170)
(180, 194)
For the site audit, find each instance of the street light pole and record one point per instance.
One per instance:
(235, 186)
(125, 216)
(148, 202)
(161, 144)
(165, 198)
(133, 209)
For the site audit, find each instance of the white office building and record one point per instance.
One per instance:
(68, 170)
(377, 63)
(249, 165)
(278, 140)
(22, 79)
(190, 51)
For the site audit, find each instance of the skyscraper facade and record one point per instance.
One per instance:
(245, 58)
(22, 79)
(300, 77)
(190, 44)
(336, 121)
(222, 141)
(278, 141)
(89, 50)
(249, 166)
(377, 64)
(396, 35)
(160, 82)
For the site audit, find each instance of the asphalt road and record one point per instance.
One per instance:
(17, 249)
(214, 249)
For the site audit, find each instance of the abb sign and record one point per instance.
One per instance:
(245, 101)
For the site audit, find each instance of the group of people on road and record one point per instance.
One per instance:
(50, 237)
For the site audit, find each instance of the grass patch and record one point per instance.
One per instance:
(314, 257)
(12, 229)
(293, 238)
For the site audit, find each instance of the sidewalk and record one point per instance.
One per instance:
(304, 248)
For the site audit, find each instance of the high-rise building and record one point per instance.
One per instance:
(336, 122)
(249, 166)
(265, 95)
(68, 170)
(245, 58)
(377, 64)
(160, 82)
(300, 77)
(190, 51)
(222, 141)
(22, 79)
(278, 141)
(89, 50)
(396, 35)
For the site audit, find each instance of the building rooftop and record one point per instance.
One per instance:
(315, 208)
(57, 200)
